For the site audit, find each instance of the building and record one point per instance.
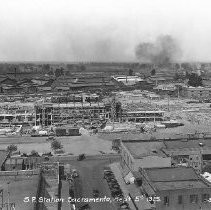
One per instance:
(151, 95)
(3, 158)
(14, 164)
(33, 185)
(46, 87)
(128, 80)
(190, 151)
(52, 113)
(142, 154)
(197, 92)
(165, 88)
(82, 98)
(17, 119)
(135, 96)
(179, 188)
(78, 83)
(142, 116)
(19, 185)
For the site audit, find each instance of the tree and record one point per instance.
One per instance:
(153, 72)
(55, 144)
(130, 72)
(46, 68)
(195, 80)
(59, 72)
(12, 148)
(177, 66)
(82, 68)
(186, 66)
(34, 153)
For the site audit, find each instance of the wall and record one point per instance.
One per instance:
(126, 158)
(186, 205)
(18, 175)
(146, 162)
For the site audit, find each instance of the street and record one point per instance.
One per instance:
(91, 178)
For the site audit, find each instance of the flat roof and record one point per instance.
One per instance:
(175, 178)
(141, 149)
(181, 144)
(186, 146)
(20, 188)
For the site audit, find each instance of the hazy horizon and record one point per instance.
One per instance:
(101, 31)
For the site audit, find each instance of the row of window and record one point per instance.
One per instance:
(193, 199)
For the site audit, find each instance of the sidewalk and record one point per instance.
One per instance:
(115, 167)
(141, 203)
(65, 195)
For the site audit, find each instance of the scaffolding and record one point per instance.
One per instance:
(51, 114)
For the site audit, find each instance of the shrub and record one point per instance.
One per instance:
(12, 148)
(56, 145)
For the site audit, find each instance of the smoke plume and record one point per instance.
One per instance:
(164, 50)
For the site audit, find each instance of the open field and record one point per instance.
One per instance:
(74, 145)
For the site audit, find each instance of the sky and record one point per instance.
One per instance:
(101, 30)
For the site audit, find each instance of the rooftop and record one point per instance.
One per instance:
(187, 146)
(27, 185)
(141, 149)
(175, 178)
(198, 143)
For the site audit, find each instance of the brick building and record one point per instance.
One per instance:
(136, 154)
(178, 188)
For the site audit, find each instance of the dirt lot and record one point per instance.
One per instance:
(75, 145)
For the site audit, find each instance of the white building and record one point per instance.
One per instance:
(128, 80)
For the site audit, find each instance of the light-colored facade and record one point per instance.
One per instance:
(128, 80)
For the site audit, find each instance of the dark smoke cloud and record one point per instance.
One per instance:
(164, 50)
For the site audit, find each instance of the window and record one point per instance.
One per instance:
(205, 197)
(166, 200)
(180, 199)
(193, 198)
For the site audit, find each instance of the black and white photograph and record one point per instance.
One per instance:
(105, 105)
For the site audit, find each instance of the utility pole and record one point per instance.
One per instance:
(178, 91)
(2, 198)
(113, 111)
(8, 194)
(168, 102)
